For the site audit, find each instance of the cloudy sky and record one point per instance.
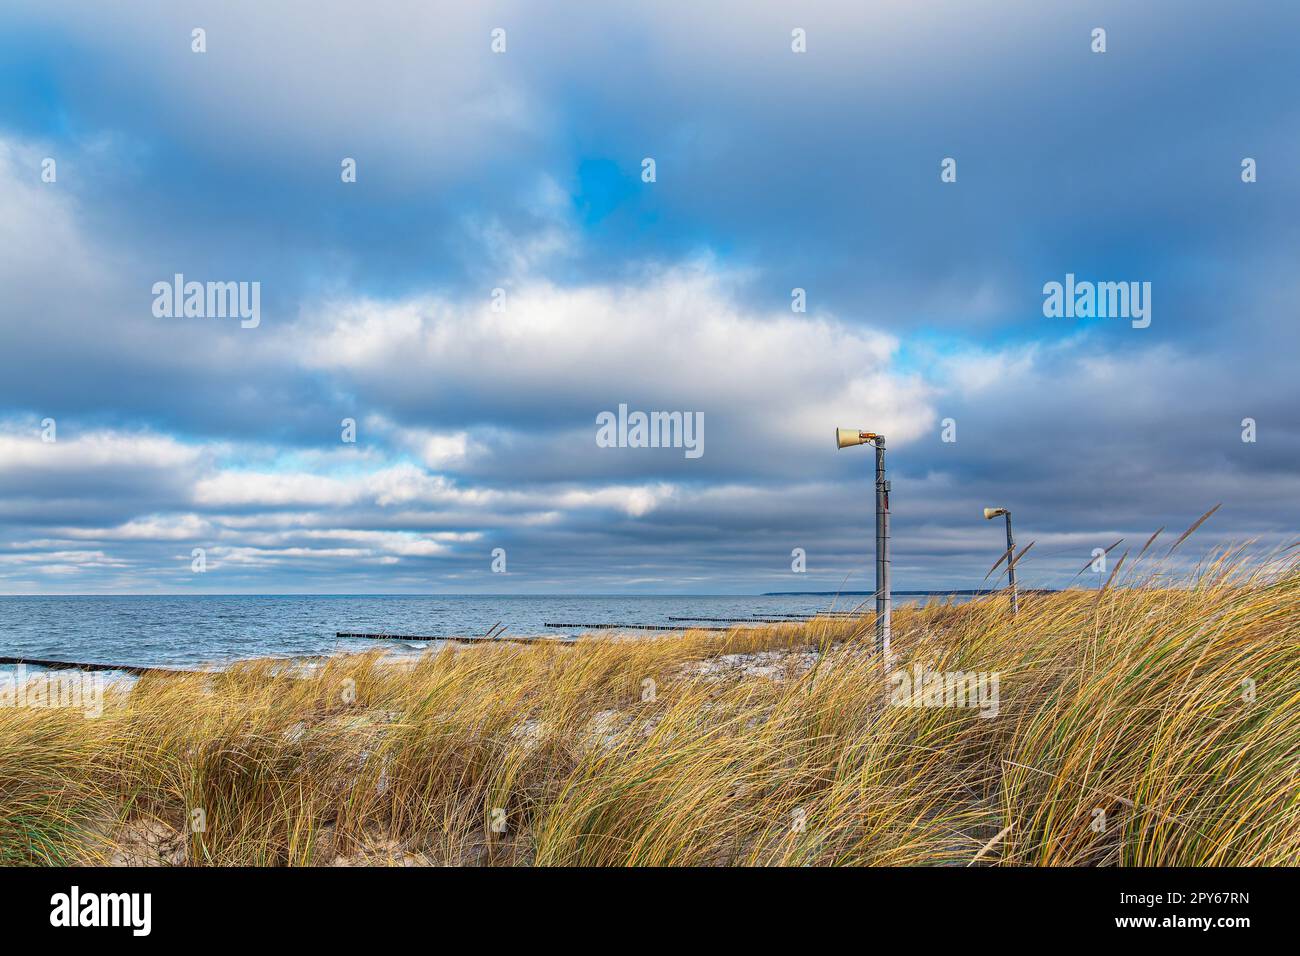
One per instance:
(522, 171)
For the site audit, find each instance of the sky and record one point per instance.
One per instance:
(504, 269)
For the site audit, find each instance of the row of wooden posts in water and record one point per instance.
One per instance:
(496, 633)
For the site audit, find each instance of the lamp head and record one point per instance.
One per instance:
(991, 513)
(844, 437)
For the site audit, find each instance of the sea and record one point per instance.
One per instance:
(188, 631)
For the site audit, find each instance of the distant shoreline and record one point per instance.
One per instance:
(679, 595)
(953, 591)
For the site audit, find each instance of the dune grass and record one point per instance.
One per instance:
(1141, 724)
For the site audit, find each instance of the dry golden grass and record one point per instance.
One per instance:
(1133, 701)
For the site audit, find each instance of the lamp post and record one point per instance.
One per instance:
(845, 437)
(990, 514)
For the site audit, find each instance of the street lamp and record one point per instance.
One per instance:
(990, 514)
(845, 437)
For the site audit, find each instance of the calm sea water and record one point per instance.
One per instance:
(186, 631)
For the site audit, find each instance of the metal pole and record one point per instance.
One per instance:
(1011, 567)
(882, 552)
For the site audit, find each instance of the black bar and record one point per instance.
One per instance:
(281, 905)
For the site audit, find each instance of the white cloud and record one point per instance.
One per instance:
(22, 450)
(678, 340)
(636, 501)
(183, 527)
